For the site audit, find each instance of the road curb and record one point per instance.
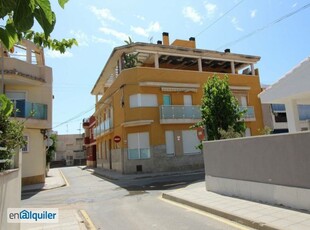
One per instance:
(235, 218)
(87, 221)
(64, 178)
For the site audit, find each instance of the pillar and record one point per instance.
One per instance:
(292, 115)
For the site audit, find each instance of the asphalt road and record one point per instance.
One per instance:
(135, 204)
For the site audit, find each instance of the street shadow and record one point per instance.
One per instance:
(158, 183)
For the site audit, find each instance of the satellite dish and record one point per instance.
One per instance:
(48, 142)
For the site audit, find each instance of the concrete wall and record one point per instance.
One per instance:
(10, 193)
(34, 160)
(273, 168)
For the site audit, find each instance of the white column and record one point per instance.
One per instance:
(232, 64)
(252, 69)
(292, 116)
(156, 61)
(28, 57)
(199, 65)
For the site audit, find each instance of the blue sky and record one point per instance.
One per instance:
(100, 25)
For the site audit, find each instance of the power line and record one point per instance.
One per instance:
(264, 27)
(219, 18)
(75, 117)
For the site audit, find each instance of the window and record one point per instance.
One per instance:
(166, 99)
(25, 149)
(169, 142)
(143, 100)
(280, 117)
(138, 146)
(187, 100)
(190, 142)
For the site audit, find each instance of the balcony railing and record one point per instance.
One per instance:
(26, 109)
(179, 113)
(103, 127)
(188, 113)
(249, 114)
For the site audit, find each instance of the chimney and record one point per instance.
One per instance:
(159, 42)
(192, 39)
(227, 50)
(166, 38)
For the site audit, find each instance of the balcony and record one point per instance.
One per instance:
(86, 140)
(179, 114)
(26, 109)
(103, 127)
(249, 114)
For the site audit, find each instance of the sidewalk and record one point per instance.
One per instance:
(53, 180)
(71, 219)
(252, 214)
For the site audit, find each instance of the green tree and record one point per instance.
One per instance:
(11, 133)
(220, 109)
(17, 20)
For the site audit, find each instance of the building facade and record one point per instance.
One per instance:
(144, 111)
(27, 81)
(290, 96)
(69, 148)
(90, 141)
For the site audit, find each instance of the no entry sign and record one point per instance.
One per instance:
(117, 139)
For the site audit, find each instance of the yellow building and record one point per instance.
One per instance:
(27, 81)
(144, 111)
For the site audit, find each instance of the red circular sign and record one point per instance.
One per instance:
(117, 139)
(201, 133)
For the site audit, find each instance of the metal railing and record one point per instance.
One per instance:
(103, 127)
(193, 112)
(180, 112)
(250, 112)
(26, 109)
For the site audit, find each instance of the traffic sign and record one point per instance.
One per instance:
(117, 139)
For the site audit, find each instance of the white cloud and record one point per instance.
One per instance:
(192, 14)
(294, 5)
(253, 13)
(211, 8)
(153, 27)
(81, 37)
(96, 39)
(119, 35)
(140, 17)
(57, 54)
(103, 14)
(235, 23)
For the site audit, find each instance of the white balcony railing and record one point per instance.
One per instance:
(103, 127)
(192, 112)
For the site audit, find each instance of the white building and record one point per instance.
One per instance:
(292, 91)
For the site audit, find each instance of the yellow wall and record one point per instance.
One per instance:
(130, 80)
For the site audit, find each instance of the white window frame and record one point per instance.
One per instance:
(141, 100)
(141, 144)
